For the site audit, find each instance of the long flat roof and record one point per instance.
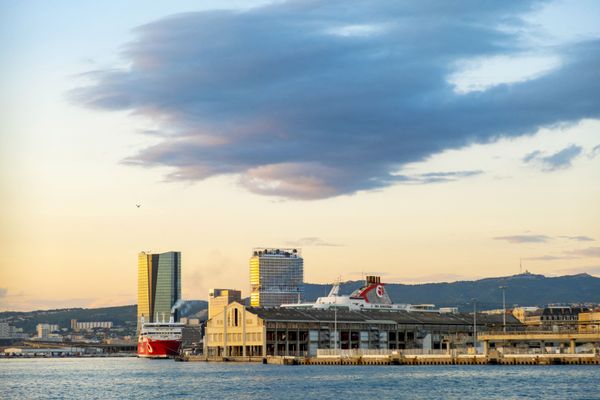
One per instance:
(372, 316)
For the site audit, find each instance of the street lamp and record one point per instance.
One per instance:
(474, 325)
(503, 308)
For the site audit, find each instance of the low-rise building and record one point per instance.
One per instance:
(89, 325)
(589, 321)
(8, 331)
(256, 331)
(527, 315)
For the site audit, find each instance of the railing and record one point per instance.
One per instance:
(562, 330)
(354, 353)
(344, 353)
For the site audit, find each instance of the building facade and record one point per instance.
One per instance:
(159, 285)
(589, 321)
(87, 325)
(276, 277)
(218, 299)
(44, 330)
(241, 331)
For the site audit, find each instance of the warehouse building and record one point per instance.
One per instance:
(256, 331)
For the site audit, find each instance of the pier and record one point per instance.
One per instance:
(416, 357)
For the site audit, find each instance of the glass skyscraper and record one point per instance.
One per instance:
(159, 285)
(276, 277)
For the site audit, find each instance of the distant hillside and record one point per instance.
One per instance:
(524, 289)
(121, 315)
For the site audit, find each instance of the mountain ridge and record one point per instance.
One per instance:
(522, 289)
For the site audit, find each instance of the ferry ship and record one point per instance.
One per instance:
(159, 339)
(372, 296)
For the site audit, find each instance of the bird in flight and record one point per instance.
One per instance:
(138, 205)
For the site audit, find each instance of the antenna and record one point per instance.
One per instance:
(520, 265)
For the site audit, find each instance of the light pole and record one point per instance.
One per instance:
(503, 308)
(475, 325)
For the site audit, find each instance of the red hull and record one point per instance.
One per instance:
(158, 348)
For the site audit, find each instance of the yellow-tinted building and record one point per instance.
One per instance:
(589, 322)
(276, 277)
(144, 304)
(235, 332)
(218, 299)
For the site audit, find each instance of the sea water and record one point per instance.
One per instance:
(119, 378)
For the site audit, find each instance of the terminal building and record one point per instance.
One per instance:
(264, 331)
(276, 277)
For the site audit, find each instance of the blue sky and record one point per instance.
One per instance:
(461, 138)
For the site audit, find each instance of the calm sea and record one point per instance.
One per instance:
(117, 378)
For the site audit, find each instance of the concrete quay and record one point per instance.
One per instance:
(417, 359)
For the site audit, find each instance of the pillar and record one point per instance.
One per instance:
(225, 351)
(264, 340)
(244, 332)
(571, 346)
(486, 347)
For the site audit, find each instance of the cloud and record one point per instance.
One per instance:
(560, 160)
(578, 238)
(312, 241)
(595, 151)
(588, 252)
(3, 292)
(317, 99)
(524, 238)
(550, 258)
(436, 177)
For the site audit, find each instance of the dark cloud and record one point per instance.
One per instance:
(559, 160)
(524, 238)
(320, 98)
(578, 238)
(312, 241)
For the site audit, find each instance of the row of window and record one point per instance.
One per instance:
(235, 337)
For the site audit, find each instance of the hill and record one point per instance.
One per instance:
(523, 289)
(120, 316)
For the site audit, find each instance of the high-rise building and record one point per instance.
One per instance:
(276, 277)
(44, 330)
(159, 285)
(218, 299)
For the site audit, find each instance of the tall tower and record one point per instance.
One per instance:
(159, 285)
(276, 277)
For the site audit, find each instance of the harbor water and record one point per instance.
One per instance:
(118, 378)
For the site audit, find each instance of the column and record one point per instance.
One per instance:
(244, 332)
(571, 346)
(225, 352)
(264, 340)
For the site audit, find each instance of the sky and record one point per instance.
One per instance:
(423, 141)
